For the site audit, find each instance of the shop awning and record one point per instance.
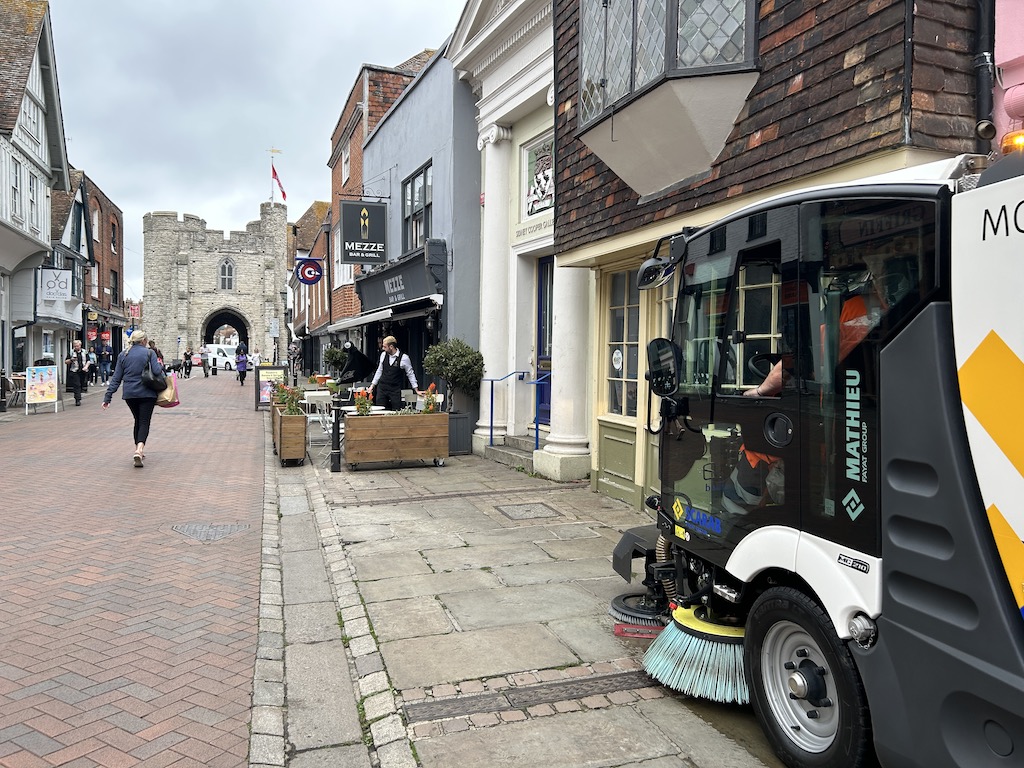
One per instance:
(410, 308)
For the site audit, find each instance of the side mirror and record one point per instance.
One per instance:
(659, 269)
(654, 273)
(663, 367)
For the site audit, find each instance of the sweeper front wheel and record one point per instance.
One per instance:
(804, 685)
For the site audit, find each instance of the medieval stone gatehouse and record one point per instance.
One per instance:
(196, 280)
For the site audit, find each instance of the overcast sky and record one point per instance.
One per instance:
(171, 105)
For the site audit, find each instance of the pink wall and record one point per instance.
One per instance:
(1008, 101)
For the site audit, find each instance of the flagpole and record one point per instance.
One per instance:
(272, 152)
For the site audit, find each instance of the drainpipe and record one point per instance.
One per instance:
(908, 68)
(984, 45)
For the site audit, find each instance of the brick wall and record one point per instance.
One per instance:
(833, 88)
(109, 255)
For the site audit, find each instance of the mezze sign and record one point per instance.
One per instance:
(363, 232)
(401, 282)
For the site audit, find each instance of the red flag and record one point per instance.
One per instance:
(273, 172)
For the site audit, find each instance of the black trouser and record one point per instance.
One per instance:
(390, 399)
(187, 365)
(142, 410)
(76, 380)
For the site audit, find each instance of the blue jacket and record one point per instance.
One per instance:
(130, 365)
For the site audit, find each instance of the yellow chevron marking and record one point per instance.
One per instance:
(984, 377)
(1011, 551)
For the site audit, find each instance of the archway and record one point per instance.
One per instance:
(221, 318)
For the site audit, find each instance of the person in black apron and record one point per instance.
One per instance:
(78, 365)
(392, 371)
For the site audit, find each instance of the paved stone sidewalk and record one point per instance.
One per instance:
(470, 602)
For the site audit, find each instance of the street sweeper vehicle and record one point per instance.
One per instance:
(839, 527)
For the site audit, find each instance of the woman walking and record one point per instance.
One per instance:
(140, 399)
(241, 363)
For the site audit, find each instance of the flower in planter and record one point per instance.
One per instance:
(290, 397)
(363, 403)
(430, 399)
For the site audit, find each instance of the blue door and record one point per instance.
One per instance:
(545, 280)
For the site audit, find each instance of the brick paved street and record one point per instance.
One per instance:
(125, 639)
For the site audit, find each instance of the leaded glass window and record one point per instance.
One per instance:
(625, 45)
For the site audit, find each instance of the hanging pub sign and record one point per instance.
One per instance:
(363, 232)
(308, 271)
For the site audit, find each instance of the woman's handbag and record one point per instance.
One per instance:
(151, 380)
(168, 398)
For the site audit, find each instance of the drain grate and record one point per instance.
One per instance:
(207, 532)
(527, 696)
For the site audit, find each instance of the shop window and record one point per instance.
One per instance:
(417, 197)
(622, 353)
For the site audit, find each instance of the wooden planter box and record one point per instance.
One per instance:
(396, 437)
(291, 441)
(275, 425)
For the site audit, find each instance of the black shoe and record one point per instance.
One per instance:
(78, 402)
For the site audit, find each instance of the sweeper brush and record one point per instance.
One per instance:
(700, 658)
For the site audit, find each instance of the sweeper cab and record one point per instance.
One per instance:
(839, 530)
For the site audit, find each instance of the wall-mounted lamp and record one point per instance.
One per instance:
(430, 322)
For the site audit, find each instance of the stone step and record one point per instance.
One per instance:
(522, 442)
(510, 457)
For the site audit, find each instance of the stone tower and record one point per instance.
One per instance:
(196, 280)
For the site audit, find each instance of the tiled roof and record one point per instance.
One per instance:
(417, 62)
(60, 204)
(21, 22)
(308, 226)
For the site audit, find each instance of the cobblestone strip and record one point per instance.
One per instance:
(267, 738)
(375, 694)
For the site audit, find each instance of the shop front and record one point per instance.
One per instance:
(404, 300)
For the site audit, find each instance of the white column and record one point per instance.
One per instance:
(495, 143)
(566, 455)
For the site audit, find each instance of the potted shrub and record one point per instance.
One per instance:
(461, 368)
(458, 365)
(335, 359)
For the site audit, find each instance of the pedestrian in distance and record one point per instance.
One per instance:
(94, 366)
(106, 361)
(77, 365)
(186, 364)
(204, 356)
(392, 371)
(156, 351)
(255, 358)
(241, 361)
(141, 400)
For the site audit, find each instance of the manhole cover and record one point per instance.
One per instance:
(207, 532)
(527, 511)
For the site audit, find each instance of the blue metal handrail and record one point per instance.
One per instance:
(521, 375)
(536, 408)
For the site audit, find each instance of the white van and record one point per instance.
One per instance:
(222, 355)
